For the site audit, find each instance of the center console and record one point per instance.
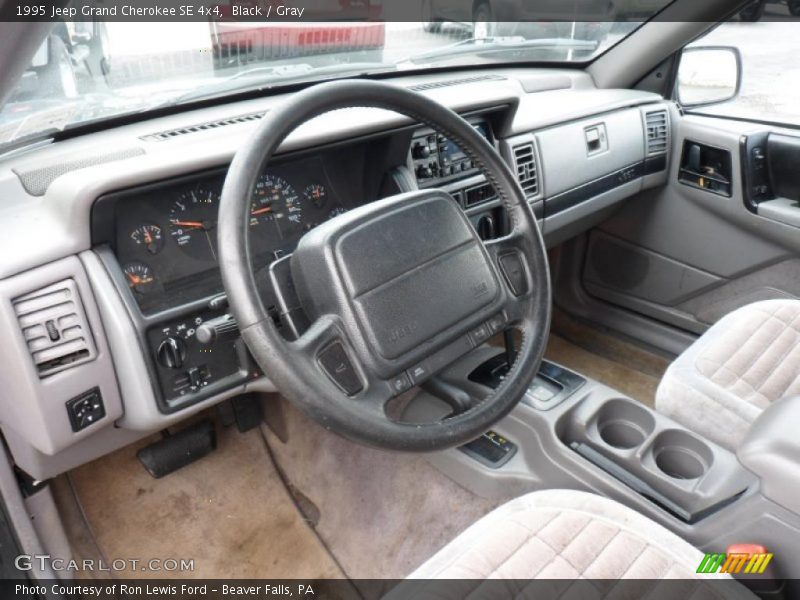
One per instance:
(657, 458)
(651, 454)
(572, 432)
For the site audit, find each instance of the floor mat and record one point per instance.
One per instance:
(381, 514)
(229, 512)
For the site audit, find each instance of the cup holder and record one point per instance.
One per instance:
(624, 425)
(680, 455)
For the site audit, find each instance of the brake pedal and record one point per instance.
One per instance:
(244, 410)
(183, 448)
(247, 411)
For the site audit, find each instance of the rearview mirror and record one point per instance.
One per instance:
(709, 75)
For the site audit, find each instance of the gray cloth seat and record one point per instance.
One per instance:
(565, 534)
(747, 360)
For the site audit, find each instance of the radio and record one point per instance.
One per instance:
(438, 160)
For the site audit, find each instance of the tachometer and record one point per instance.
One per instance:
(277, 202)
(193, 221)
(149, 236)
(140, 277)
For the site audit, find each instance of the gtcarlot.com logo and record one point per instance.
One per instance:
(754, 563)
(29, 562)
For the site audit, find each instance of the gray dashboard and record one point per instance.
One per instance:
(579, 151)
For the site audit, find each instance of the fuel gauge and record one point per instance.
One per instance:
(140, 277)
(149, 236)
(316, 194)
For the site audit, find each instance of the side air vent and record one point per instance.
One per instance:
(54, 326)
(657, 132)
(421, 87)
(525, 161)
(171, 133)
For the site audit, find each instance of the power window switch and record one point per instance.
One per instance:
(86, 409)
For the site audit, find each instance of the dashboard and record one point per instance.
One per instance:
(159, 242)
(123, 221)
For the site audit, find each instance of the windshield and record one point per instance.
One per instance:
(89, 71)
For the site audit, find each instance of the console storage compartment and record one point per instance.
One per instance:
(683, 473)
(771, 450)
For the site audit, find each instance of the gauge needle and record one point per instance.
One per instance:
(261, 211)
(198, 224)
(134, 278)
(211, 245)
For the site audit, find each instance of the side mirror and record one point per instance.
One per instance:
(709, 75)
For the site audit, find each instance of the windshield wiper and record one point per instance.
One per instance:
(276, 75)
(493, 45)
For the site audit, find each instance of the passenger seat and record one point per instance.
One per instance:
(747, 360)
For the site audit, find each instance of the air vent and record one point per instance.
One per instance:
(657, 132)
(421, 87)
(172, 133)
(54, 326)
(525, 161)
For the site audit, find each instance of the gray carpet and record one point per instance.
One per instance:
(381, 514)
(229, 512)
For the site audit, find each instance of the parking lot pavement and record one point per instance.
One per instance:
(771, 71)
(406, 39)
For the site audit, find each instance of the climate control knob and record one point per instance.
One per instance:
(171, 353)
(424, 172)
(421, 151)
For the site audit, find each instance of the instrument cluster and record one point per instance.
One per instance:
(166, 240)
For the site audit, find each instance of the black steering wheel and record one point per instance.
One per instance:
(395, 290)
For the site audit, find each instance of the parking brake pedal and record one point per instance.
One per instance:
(183, 448)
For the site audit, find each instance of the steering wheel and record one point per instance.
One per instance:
(394, 290)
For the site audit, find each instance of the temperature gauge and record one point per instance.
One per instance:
(140, 277)
(149, 236)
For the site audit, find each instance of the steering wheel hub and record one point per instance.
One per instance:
(404, 275)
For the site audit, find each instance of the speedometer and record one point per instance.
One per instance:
(276, 202)
(193, 221)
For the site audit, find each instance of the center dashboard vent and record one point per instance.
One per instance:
(54, 325)
(172, 133)
(527, 173)
(657, 132)
(421, 87)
